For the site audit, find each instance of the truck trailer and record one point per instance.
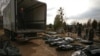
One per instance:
(23, 19)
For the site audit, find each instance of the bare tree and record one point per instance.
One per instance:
(94, 24)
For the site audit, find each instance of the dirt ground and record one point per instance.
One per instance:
(37, 47)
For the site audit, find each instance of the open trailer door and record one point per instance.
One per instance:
(26, 18)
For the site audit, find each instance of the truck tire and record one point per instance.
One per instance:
(6, 33)
(12, 36)
(9, 35)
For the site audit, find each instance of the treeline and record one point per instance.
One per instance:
(90, 24)
(60, 24)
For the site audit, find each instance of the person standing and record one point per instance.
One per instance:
(91, 34)
(79, 30)
(86, 33)
(21, 18)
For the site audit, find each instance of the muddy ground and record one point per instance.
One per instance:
(37, 47)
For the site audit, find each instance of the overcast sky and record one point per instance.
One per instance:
(74, 10)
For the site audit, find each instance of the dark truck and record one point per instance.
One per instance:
(23, 19)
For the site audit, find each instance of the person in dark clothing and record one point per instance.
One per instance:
(69, 30)
(79, 30)
(91, 34)
(21, 18)
(86, 33)
(1, 43)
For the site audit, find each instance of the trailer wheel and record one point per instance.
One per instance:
(6, 33)
(12, 36)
